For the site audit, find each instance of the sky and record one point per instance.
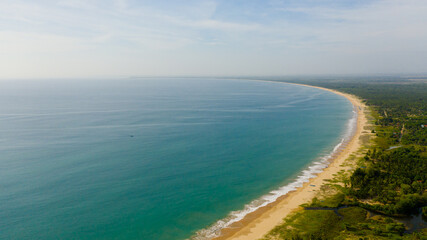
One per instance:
(123, 38)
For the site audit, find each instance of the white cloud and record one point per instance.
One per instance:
(118, 37)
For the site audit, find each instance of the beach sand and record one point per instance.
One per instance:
(257, 224)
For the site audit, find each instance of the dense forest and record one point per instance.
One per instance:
(394, 179)
(391, 178)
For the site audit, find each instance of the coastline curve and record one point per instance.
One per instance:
(240, 224)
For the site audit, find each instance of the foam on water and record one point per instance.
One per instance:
(311, 172)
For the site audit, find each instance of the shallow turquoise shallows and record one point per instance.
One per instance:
(152, 158)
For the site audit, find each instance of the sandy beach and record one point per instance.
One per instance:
(255, 225)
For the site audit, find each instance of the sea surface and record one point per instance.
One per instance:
(155, 158)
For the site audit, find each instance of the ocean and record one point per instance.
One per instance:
(155, 158)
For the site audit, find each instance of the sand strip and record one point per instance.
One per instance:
(255, 225)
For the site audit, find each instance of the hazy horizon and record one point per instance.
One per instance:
(120, 38)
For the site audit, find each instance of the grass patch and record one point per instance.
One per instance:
(308, 224)
(353, 215)
(349, 223)
(329, 202)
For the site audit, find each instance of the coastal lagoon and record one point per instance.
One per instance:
(154, 158)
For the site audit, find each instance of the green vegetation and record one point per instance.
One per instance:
(391, 177)
(333, 201)
(310, 224)
(401, 107)
(395, 179)
(347, 223)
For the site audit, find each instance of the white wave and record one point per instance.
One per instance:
(314, 169)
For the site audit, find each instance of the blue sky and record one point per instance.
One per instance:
(120, 38)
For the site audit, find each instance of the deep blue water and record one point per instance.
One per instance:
(151, 158)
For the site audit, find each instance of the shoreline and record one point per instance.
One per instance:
(258, 223)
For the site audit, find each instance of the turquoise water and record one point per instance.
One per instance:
(152, 158)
